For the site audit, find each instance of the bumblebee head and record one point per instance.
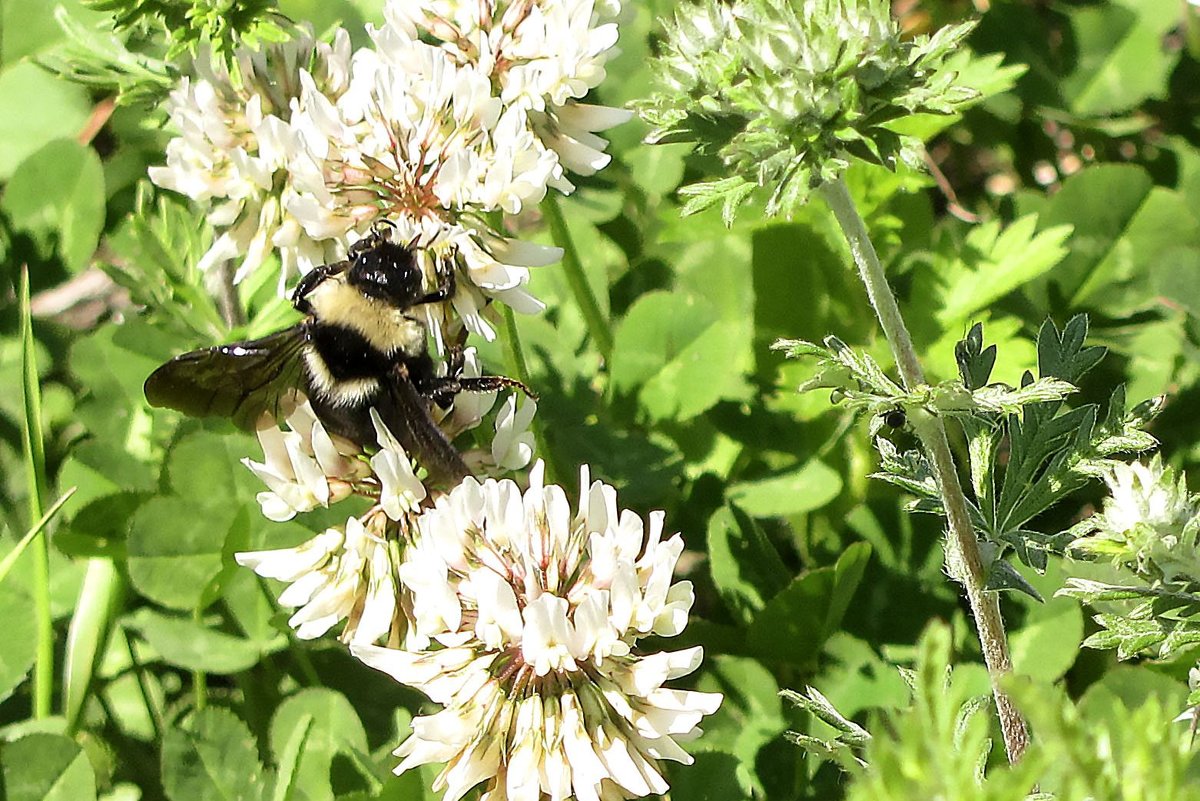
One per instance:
(386, 271)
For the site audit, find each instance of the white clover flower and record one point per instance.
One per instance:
(234, 147)
(541, 56)
(344, 573)
(304, 467)
(423, 137)
(488, 266)
(536, 613)
(469, 407)
(512, 447)
(569, 130)
(400, 491)
(420, 143)
(1149, 521)
(538, 52)
(306, 145)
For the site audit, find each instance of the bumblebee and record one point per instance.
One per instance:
(359, 346)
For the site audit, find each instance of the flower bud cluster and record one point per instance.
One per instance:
(785, 93)
(1149, 524)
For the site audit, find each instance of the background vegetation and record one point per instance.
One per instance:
(1074, 186)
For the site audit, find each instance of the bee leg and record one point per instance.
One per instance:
(443, 388)
(311, 280)
(405, 412)
(455, 359)
(493, 383)
(445, 290)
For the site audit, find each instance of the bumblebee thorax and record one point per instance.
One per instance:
(385, 327)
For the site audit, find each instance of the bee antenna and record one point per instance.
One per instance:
(379, 226)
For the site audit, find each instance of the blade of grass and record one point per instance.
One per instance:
(33, 443)
(88, 634)
(10, 558)
(153, 710)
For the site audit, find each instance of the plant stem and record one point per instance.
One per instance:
(199, 677)
(512, 343)
(516, 358)
(139, 672)
(580, 288)
(227, 296)
(298, 648)
(963, 557)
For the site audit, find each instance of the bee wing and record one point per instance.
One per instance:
(406, 414)
(241, 380)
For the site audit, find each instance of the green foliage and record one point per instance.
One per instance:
(1027, 450)
(1077, 184)
(213, 755)
(1126, 751)
(101, 58)
(1120, 62)
(56, 197)
(1113, 745)
(990, 263)
(939, 746)
(840, 749)
(46, 767)
(35, 108)
(188, 23)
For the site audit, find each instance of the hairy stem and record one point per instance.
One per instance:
(573, 269)
(963, 556)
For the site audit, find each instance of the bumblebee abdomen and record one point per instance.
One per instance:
(346, 353)
(342, 366)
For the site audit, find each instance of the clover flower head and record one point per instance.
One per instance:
(541, 56)
(421, 145)
(786, 93)
(233, 146)
(345, 573)
(459, 109)
(537, 52)
(349, 572)
(304, 467)
(1149, 522)
(532, 614)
